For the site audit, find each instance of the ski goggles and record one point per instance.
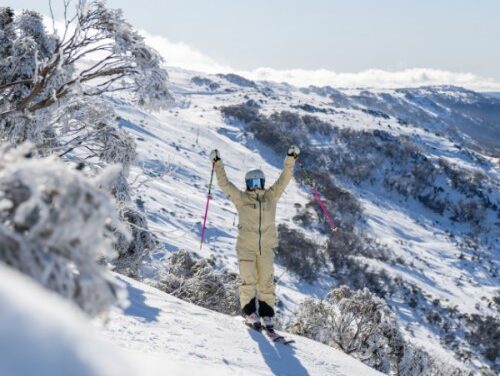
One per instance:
(255, 183)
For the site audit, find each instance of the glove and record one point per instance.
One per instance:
(294, 151)
(214, 155)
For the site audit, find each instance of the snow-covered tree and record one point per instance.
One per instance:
(97, 52)
(52, 84)
(52, 87)
(56, 226)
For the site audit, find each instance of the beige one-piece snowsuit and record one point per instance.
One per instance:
(256, 233)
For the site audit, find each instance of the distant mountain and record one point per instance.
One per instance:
(468, 117)
(492, 94)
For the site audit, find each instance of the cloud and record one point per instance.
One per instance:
(375, 78)
(180, 54)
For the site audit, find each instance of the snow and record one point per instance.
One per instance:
(42, 334)
(156, 333)
(430, 251)
(168, 333)
(170, 180)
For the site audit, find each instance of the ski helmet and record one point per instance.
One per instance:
(255, 179)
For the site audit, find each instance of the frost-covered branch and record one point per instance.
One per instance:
(56, 226)
(38, 69)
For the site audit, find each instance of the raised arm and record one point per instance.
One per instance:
(229, 188)
(279, 186)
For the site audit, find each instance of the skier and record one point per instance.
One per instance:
(257, 237)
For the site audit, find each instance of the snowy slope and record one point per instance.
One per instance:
(172, 173)
(181, 143)
(42, 334)
(169, 335)
(169, 183)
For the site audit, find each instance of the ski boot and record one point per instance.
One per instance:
(253, 321)
(268, 323)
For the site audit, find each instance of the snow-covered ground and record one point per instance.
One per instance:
(42, 334)
(448, 258)
(186, 339)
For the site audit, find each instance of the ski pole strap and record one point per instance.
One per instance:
(318, 197)
(206, 207)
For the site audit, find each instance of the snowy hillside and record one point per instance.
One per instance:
(154, 335)
(189, 340)
(104, 167)
(423, 247)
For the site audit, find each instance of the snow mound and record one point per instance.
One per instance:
(41, 334)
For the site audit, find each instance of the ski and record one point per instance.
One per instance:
(277, 338)
(270, 333)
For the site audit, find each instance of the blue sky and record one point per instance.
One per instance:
(347, 37)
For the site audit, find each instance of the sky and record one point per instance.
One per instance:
(342, 43)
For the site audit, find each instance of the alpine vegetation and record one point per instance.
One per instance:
(52, 87)
(58, 228)
(360, 324)
(201, 281)
(54, 93)
(299, 254)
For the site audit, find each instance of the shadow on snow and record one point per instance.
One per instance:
(138, 306)
(280, 358)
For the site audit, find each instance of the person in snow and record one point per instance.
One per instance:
(257, 236)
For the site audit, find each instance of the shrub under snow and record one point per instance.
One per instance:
(56, 226)
(360, 324)
(197, 280)
(131, 252)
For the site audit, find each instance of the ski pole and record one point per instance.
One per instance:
(318, 197)
(206, 207)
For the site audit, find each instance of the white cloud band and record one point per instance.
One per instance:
(182, 55)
